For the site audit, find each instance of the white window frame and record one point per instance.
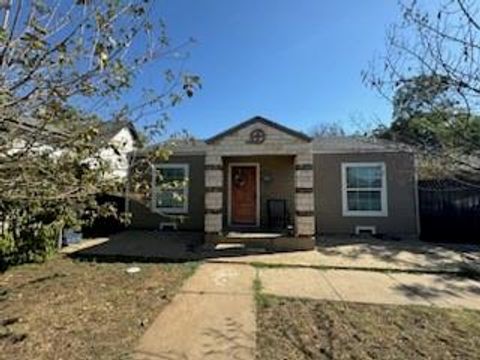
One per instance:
(156, 190)
(383, 190)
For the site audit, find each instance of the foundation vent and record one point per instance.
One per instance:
(365, 230)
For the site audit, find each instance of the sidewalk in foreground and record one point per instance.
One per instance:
(373, 287)
(213, 317)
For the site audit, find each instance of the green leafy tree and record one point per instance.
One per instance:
(64, 64)
(424, 115)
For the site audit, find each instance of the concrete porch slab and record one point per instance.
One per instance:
(141, 246)
(339, 253)
(363, 254)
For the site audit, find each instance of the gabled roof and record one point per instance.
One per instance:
(264, 121)
(109, 129)
(189, 146)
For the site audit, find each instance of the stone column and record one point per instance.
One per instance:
(213, 195)
(304, 197)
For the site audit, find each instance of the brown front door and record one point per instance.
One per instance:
(244, 195)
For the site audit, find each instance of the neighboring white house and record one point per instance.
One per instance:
(117, 138)
(123, 139)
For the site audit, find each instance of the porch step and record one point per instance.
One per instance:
(268, 241)
(252, 235)
(240, 247)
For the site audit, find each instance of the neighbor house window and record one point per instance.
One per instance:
(170, 188)
(364, 189)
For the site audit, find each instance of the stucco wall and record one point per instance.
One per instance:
(280, 169)
(144, 218)
(401, 219)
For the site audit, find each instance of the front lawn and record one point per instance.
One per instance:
(66, 309)
(308, 329)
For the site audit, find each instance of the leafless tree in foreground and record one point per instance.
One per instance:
(431, 72)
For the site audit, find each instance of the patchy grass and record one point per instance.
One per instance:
(309, 329)
(257, 285)
(261, 299)
(66, 309)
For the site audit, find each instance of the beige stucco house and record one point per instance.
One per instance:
(262, 177)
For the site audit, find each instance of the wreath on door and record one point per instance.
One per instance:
(239, 179)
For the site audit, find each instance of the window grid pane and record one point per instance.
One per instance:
(171, 199)
(172, 174)
(364, 177)
(171, 188)
(171, 178)
(364, 200)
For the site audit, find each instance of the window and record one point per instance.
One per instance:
(170, 188)
(364, 189)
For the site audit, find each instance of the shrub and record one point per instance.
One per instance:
(29, 232)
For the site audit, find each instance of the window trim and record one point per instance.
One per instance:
(383, 191)
(155, 190)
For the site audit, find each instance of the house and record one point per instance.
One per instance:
(119, 139)
(115, 140)
(262, 177)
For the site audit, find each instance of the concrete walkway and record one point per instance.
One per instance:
(213, 317)
(372, 287)
(362, 254)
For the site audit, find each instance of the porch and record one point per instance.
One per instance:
(259, 193)
(266, 199)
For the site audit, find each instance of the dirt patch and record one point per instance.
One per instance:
(65, 309)
(309, 329)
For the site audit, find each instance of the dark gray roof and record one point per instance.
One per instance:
(109, 129)
(179, 145)
(340, 144)
(333, 144)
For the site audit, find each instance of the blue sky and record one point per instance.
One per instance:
(295, 62)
